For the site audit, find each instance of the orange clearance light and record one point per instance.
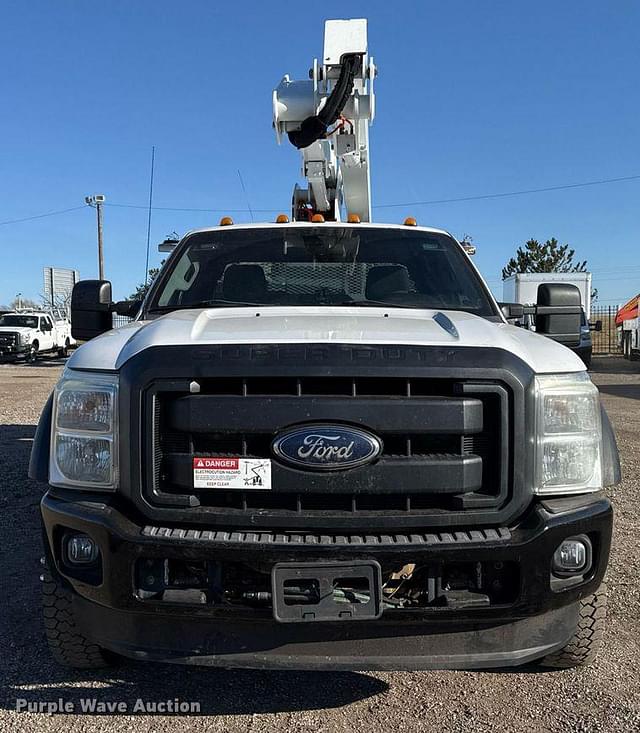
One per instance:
(317, 219)
(282, 219)
(353, 219)
(410, 222)
(226, 221)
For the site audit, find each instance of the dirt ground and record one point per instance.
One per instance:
(603, 697)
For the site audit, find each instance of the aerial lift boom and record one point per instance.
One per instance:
(327, 118)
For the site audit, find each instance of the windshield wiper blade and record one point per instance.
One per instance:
(206, 304)
(378, 304)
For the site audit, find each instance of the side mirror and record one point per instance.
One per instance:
(597, 326)
(559, 313)
(512, 311)
(90, 309)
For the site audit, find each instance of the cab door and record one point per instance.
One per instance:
(46, 335)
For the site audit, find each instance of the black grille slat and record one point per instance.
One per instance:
(436, 473)
(270, 413)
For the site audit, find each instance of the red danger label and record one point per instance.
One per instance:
(230, 464)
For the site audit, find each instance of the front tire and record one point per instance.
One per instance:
(583, 646)
(32, 354)
(63, 351)
(68, 646)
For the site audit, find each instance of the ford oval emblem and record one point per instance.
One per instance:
(326, 447)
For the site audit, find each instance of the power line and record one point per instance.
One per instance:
(251, 210)
(479, 197)
(191, 209)
(509, 193)
(41, 216)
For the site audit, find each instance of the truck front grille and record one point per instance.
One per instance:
(8, 339)
(446, 446)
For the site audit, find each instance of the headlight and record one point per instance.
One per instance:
(84, 434)
(24, 338)
(568, 435)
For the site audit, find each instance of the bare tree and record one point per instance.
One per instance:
(24, 303)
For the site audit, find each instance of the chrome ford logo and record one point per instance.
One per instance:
(326, 447)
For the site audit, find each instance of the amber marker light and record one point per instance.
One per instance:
(226, 221)
(410, 222)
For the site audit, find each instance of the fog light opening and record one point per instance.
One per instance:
(80, 549)
(572, 557)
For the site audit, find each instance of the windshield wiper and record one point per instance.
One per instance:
(378, 304)
(205, 304)
(419, 306)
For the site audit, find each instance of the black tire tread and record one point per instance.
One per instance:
(583, 647)
(67, 645)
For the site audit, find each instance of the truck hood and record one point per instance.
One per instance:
(16, 329)
(347, 325)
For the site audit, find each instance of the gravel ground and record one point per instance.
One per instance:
(604, 697)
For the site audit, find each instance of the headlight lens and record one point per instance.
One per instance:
(85, 431)
(568, 435)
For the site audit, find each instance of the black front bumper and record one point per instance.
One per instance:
(12, 351)
(539, 621)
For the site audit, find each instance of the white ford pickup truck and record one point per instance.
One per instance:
(31, 333)
(322, 444)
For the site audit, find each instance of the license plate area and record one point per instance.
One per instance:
(337, 591)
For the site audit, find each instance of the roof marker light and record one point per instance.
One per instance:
(410, 222)
(226, 221)
(353, 219)
(317, 219)
(282, 219)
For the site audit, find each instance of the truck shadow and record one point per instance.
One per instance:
(613, 365)
(44, 362)
(628, 391)
(28, 672)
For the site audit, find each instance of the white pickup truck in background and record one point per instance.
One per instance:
(31, 333)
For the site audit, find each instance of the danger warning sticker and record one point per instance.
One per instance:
(231, 473)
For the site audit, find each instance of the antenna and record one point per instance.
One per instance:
(245, 194)
(146, 268)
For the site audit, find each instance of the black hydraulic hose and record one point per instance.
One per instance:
(316, 126)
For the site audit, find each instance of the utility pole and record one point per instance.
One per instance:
(97, 202)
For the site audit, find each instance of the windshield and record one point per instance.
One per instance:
(19, 321)
(296, 266)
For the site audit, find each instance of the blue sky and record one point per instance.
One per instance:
(473, 98)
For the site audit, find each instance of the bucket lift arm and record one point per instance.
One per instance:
(328, 118)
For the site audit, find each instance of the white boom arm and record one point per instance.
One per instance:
(328, 118)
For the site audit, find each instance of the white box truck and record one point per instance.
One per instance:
(523, 286)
